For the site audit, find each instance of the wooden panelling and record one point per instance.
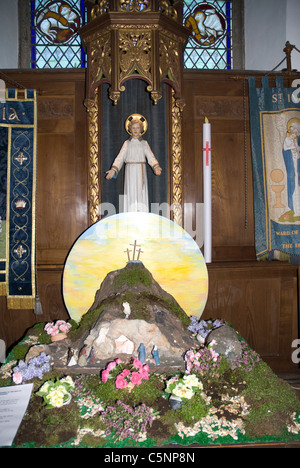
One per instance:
(259, 299)
(61, 189)
(224, 101)
(261, 302)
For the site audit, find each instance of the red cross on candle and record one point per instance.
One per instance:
(207, 149)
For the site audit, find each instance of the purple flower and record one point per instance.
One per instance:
(203, 327)
(36, 367)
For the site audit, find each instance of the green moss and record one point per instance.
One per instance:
(85, 324)
(48, 427)
(272, 401)
(193, 410)
(168, 421)
(91, 441)
(132, 277)
(147, 392)
(19, 351)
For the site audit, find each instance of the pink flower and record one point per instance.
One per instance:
(214, 355)
(111, 365)
(63, 326)
(144, 374)
(60, 326)
(137, 363)
(135, 378)
(104, 375)
(146, 368)
(120, 382)
(190, 355)
(125, 372)
(50, 329)
(17, 378)
(118, 361)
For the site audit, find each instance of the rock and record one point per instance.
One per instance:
(134, 278)
(175, 402)
(131, 308)
(123, 336)
(124, 346)
(224, 341)
(35, 351)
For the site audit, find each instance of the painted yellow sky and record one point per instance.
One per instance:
(169, 253)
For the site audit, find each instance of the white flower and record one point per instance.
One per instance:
(56, 401)
(45, 388)
(68, 380)
(62, 389)
(183, 391)
(192, 381)
(55, 398)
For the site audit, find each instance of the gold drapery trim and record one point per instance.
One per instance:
(20, 302)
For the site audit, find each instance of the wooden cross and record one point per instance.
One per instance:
(134, 249)
(128, 252)
(139, 253)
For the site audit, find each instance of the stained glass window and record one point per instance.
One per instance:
(210, 43)
(54, 34)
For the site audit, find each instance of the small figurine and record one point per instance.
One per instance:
(126, 309)
(142, 353)
(155, 354)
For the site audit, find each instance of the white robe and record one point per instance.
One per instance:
(135, 153)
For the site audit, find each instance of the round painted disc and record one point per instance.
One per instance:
(166, 250)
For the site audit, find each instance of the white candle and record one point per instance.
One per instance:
(207, 228)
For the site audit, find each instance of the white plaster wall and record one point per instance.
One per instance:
(293, 30)
(9, 36)
(265, 33)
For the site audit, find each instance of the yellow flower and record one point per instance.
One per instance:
(68, 380)
(61, 389)
(45, 387)
(183, 391)
(192, 381)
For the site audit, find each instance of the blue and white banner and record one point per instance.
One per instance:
(18, 123)
(275, 145)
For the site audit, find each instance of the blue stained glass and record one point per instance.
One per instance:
(210, 43)
(55, 41)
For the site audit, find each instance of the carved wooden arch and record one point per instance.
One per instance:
(128, 39)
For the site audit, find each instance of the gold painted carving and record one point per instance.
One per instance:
(135, 54)
(169, 60)
(99, 9)
(94, 183)
(134, 5)
(166, 8)
(100, 59)
(177, 193)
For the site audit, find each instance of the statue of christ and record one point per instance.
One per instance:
(135, 153)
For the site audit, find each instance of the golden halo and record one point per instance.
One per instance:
(138, 117)
(292, 121)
